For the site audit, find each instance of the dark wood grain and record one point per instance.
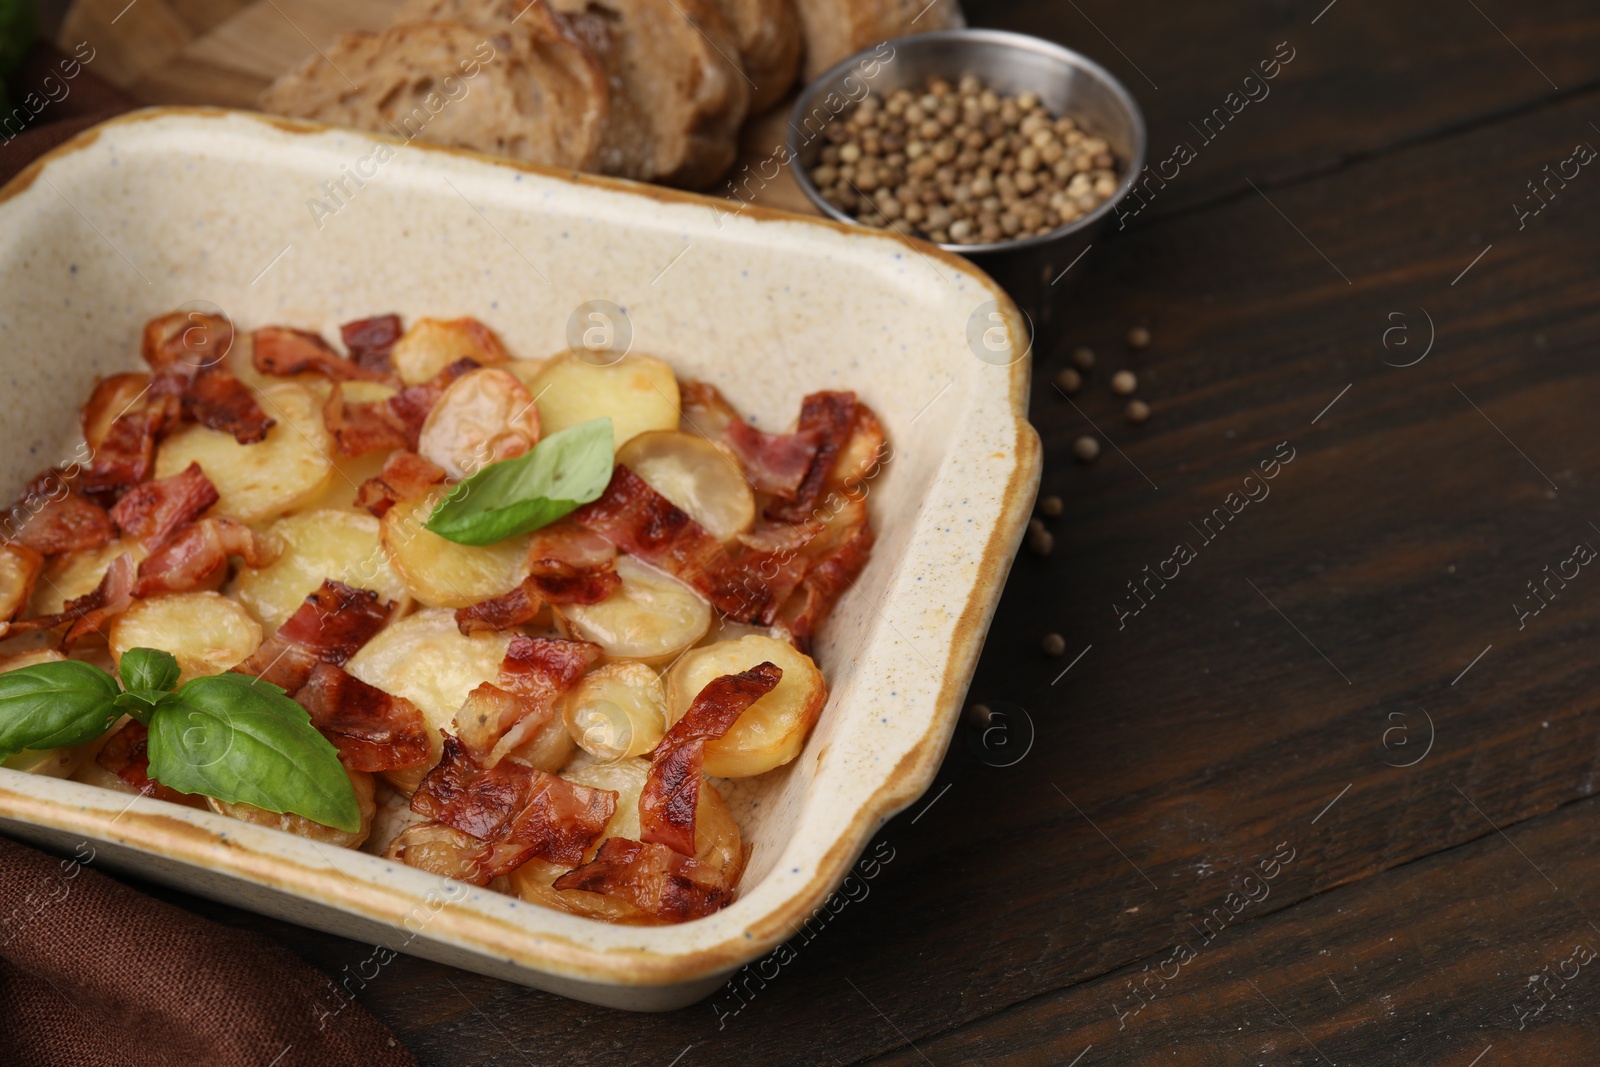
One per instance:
(1298, 660)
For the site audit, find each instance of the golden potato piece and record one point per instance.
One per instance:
(301, 826)
(50, 762)
(772, 730)
(651, 616)
(617, 710)
(442, 573)
(206, 632)
(431, 345)
(695, 474)
(20, 567)
(313, 546)
(254, 482)
(717, 840)
(483, 417)
(637, 394)
(75, 574)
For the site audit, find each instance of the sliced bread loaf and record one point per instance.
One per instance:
(835, 29)
(768, 32)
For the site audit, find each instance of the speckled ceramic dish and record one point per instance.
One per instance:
(278, 222)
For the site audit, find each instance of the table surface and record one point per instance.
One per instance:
(1313, 781)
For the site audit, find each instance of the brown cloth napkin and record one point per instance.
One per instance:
(95, 974)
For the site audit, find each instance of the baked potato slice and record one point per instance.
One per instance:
(301, 826)
(442, 573)
(483, 417)
(616, 710)
(313, 546)
(431, 345)
(206, 632)
(637, 393)
(698, 475)
(651, 617)
(771, 731)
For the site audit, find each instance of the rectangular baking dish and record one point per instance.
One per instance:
(283, 222)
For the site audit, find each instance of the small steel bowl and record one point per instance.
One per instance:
(1009, 63)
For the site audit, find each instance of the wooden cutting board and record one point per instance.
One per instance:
(224, 52)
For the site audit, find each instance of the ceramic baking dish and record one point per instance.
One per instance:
(280, 222)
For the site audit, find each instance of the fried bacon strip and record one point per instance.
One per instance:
(111, 597)
(567, 565)
(121, 424)
(830, 418)
(329, 626)
(393, 423)
(373, 730)
(369, 341)
(153, 512)
(51, 516)
(405, 475)
(197, 557)
(642, 522)
(127, 755)
(188, 351)
(774, 463)
(824, 583)
(283, 351)
(671, 794)
(500, 715)
(653, 878)
(522, 812)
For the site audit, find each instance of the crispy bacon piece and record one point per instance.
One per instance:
(156, 510)
(283, 351)
(524, 813)
(830, 417)
(392, 423)
(369, 341)
(51, 516)
(111, 597)
(188, 351)
(405, 475)
(642, 522)
(197, 558)
(824, 582)
(671, 794)
(774, 463)
(336, 621)
(653, 878)
(373, 730)
(567, 565)
(498, 716)
(122, 422)
(127, 755)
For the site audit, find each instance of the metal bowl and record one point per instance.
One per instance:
(1009, 63)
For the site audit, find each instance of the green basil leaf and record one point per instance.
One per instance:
(149, 669)
(243, 741)
(55, 705)
(563, 472)
(140, 703)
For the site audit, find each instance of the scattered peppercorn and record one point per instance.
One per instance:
(1138, 411)
(979, 715)
(1053, 644)
(1138, 337)
(961, 164)
(1069, 381)
(1086, 448)
(1083, 357)
(1040, 543)
(1051, 506)
(1124, 383)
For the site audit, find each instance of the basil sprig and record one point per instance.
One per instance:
(566, 470)
(233, 737)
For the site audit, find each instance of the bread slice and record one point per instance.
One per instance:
(768, 32)
(535, 93)
(835, 29)
(678, 94)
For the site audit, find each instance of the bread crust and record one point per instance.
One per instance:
(834, 29)
(770, 46)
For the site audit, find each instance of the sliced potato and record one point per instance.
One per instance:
(526, 370)
(484, 416)
(695, 474)
(20, 567)
(637, 393)
(254, 482)
(442, 573)
(547, 750)
(301, 826)
(431, 345)
(431, 663)
(651, 616)
(617, 710)
(75, 574)
(771, 731)
(50, 762)
(313, 546)
(348, 474)
(717, 840)
(206, 632)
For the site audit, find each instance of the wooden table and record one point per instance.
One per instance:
(1320, 788)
